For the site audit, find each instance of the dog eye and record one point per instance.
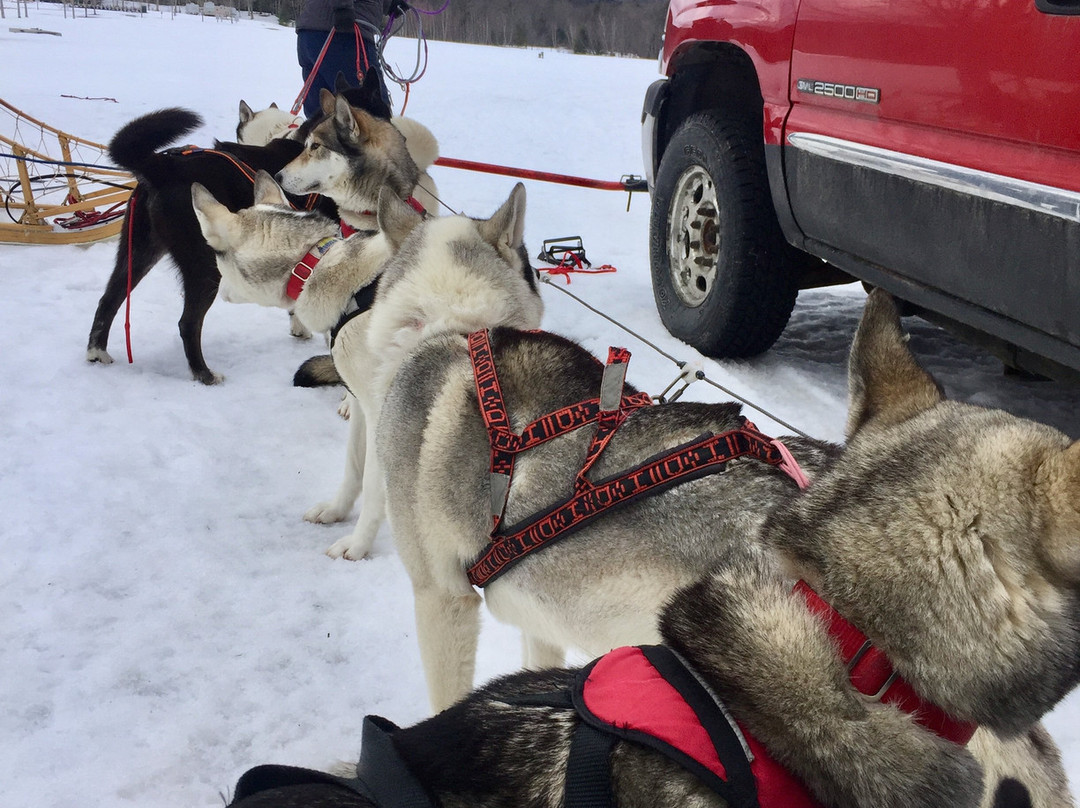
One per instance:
(313, 147)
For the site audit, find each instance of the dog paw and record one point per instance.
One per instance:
(98, 355)
(345, 548)
(209, 377)
(297, 328)
(345, 407)
(325, 513)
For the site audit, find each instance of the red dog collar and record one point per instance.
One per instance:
(302, 271)
(872, 674)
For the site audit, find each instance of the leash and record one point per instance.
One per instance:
(127, 305)
(687, 373)
(361, 51)
(631, 183)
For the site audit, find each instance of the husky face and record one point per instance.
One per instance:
(259, 128)
(253, 244)
(350, 157)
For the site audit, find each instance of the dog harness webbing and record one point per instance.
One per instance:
(872, 673)
(311, 200)
(708, 454)
(358, 304)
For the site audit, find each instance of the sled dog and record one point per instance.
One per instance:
(946, 536)
(259, 248)
(461, 273)
(351, 155)
(259, 128)
(455, 274)
(160, 220)
(947, 533)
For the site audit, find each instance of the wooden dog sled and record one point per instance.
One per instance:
(54, 188)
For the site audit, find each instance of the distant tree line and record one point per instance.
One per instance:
(622, 27)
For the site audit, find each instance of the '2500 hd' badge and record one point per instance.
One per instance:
(846, 92)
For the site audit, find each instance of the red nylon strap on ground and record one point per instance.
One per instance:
(872, 673)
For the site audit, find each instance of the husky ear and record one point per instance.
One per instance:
(215, 220)
(1059, 476)
(245, 112)
(268, 192)
(341, 84)
(396, 217)
(345, 119)
(885, 383)
(326, 101)
(505, 230)
(273, 105)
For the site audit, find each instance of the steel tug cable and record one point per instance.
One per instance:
(698, 375)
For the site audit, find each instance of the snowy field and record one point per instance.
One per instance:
(167, 617)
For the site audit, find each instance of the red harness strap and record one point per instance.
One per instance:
(708, 454)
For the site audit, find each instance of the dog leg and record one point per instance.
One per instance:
(537, 654)
(297, 328)
(146, 251)
(345, 408)
(200, 289)
(373, 509)
(337, 509)
(447, 627)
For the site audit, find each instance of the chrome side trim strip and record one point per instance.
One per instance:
(1030, 195)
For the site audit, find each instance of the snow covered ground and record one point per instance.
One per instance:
(167, 618)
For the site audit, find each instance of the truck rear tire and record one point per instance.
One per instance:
(722, 274)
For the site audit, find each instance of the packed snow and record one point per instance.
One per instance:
(167, 617)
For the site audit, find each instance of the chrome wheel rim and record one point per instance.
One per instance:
(694, 236)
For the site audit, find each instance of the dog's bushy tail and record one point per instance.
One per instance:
(135, 146)
(319, 371)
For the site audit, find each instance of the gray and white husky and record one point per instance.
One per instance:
(457, 274)
(956, 533)
(351, 155)
(947, 533)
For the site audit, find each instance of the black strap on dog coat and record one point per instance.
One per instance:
(358, 304)
(381, 774)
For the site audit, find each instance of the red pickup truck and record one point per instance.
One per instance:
(930, 147)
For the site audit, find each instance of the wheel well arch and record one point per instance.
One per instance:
(710, 75)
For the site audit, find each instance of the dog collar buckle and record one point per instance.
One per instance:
(304, 267)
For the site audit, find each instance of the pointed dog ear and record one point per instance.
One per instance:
(396, 218)
(326, 101)
(268, 192)
(345, 118)
(1059, 478)
(215, 220)
(505, 230)
(885, 384)
(246, 113)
